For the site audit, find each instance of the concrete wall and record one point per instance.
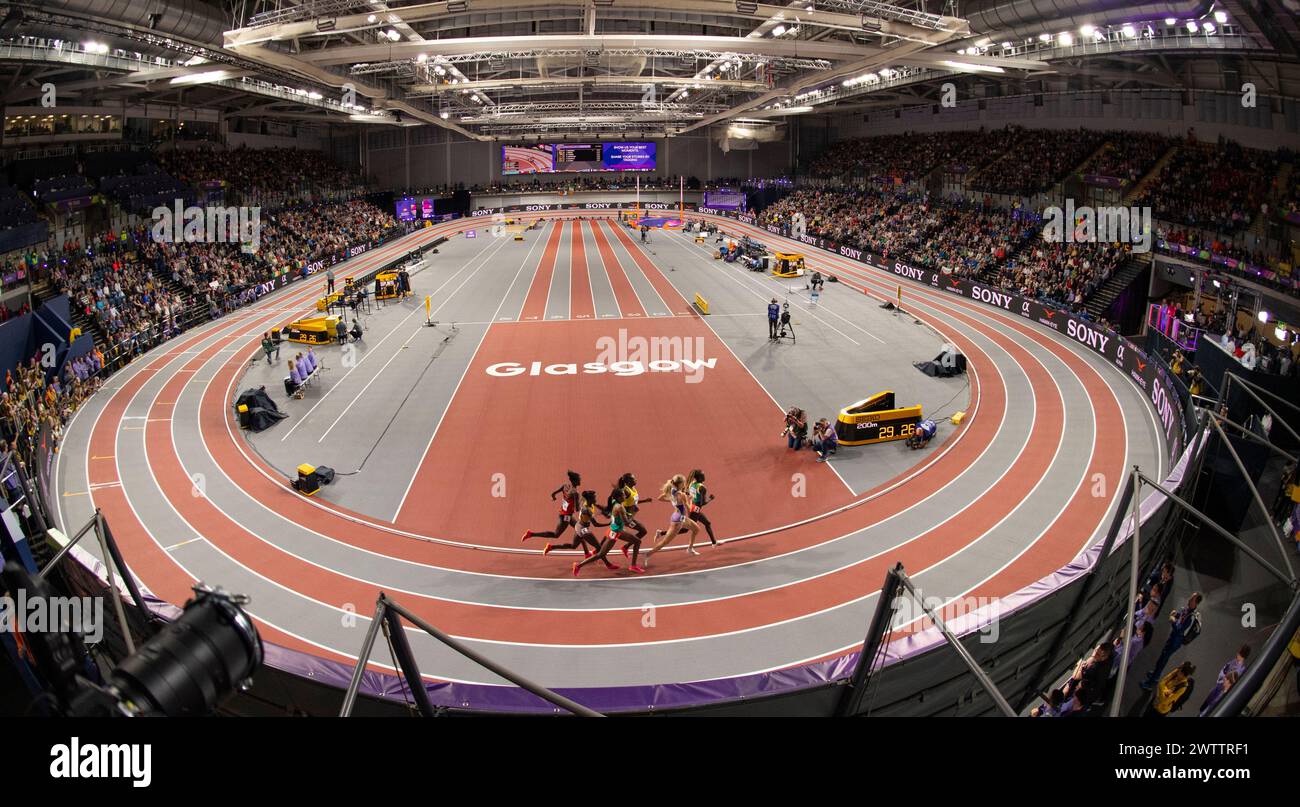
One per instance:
(304, 140)
(1272, 123)
(429, 156)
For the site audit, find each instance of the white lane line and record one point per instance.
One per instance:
(821, 306)
(371, 351)
(615, 240)
(723, 342)
(424, 455)
(398, 352)
(591, 274)
(729, 275)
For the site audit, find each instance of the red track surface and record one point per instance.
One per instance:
(532, 429)
(471, 446)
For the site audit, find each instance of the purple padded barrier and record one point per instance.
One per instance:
(504, 698)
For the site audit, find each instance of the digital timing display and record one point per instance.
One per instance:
(578, 157)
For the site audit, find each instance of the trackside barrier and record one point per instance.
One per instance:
(922, 676)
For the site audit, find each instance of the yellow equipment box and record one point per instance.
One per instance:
(876, 420)
(787, 264)
(313, 330)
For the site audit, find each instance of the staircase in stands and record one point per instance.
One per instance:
(1099, 302)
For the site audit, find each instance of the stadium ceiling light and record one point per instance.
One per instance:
(1067, 39)
(444, 115)
(1129, 31)
(315, 96)
(983, 43)
(1221, 17)
(422, 58)
(393, 35)
(1209, 27)
(1044, 37)
(1263, 316)
(1191, 26)
(371, 18)
(778, 30)
(972, 67)
(205, 77)
(1087, 29)
(1170, 21)
(746, 7)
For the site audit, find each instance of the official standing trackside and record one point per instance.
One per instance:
(773, 316)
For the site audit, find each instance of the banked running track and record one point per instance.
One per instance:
(1009, 498)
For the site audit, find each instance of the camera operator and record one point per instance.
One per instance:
(773, 318)
(825, 441)
(817, 281)
(796, 428)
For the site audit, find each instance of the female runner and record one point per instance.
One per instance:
(625, 492)
(568, 506)
(618, 531)
(582, 534)
(674, 492)
(699, 496)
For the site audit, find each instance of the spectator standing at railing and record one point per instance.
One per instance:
(1235, 667)
(1174, 690)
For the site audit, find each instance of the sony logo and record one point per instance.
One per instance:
(1091, 337)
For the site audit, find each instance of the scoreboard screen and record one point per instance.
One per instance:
(578, 157)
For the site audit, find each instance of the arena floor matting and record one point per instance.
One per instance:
(449, 429)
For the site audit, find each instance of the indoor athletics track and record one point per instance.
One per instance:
(453, 472)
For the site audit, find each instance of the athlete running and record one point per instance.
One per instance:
(699, 496)
(674, 492)
(568, 508)
(582, 534)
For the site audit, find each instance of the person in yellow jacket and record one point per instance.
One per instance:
(1294, 647)
(1173, 691)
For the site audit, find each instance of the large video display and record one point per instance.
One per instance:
(553, 158)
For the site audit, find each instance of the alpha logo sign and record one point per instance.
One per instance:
(1089, 336)
(998, 298)
(1024, 309)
